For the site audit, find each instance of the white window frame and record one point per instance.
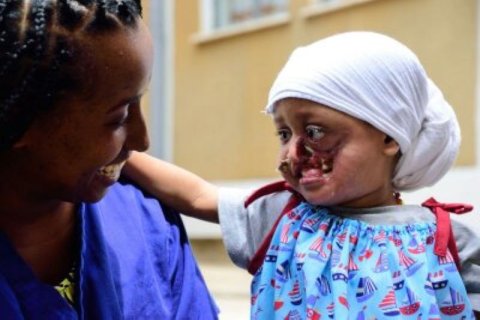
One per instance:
(208, 17)
(208, 33)
(318, 7)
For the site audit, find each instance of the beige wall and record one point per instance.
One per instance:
(221, 86)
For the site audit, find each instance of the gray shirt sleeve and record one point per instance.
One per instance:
(244, 229)
(468, 245)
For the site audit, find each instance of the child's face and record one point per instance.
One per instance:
(332, 158)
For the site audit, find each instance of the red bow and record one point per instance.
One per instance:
(444, 238)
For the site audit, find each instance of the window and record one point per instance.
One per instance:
(318, 7)
(221, 14)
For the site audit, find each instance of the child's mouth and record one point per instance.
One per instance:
(327, 165)
(315, 171)
(314, 165)
(310, 171)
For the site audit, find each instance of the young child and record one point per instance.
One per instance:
(358, 121)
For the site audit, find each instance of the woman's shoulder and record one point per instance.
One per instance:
(125, 203)
(149, 244)
(128, 194)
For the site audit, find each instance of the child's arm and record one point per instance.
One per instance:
(176, 187)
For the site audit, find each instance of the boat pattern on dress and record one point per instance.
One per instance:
(322, 266)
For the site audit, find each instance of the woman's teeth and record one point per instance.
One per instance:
(112, 171)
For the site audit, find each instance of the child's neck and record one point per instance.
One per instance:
(372, 200)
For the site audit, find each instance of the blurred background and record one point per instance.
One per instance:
(215, 62)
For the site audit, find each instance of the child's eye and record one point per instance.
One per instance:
(284, 135)
(314, 132)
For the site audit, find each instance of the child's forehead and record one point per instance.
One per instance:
(301, 108)
(304, 112)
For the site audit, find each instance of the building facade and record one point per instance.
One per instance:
(216, 60)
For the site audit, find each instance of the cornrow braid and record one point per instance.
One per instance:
(71, 13)
(39, 52)
(18, 78)
(109, 13)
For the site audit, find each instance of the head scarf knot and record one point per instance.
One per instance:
(377, 79)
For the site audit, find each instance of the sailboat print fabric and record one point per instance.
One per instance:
(322, 266)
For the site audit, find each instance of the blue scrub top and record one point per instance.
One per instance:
(135, 263)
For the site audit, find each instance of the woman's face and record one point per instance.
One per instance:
(77, 151)
(334, 159)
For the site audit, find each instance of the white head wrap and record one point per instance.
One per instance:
(379, 80)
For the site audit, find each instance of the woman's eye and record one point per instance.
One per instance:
(314, 132)
(119, 121)
(283, 135)
(122, 121)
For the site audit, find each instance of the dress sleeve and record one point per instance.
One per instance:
(467, 236)
(243, 229)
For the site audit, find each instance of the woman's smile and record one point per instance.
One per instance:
(109, 174)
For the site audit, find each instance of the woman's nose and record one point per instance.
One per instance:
(137, 135)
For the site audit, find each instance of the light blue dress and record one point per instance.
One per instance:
(322, 265)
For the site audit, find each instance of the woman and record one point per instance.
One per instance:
(72, 73)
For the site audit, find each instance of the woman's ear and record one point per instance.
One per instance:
(391, 147)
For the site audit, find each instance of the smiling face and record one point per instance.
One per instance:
(75, 152)
(331, 158)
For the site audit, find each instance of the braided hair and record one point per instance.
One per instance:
(38, 53)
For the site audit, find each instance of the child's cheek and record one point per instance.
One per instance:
(284, 167)
(322, 146)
